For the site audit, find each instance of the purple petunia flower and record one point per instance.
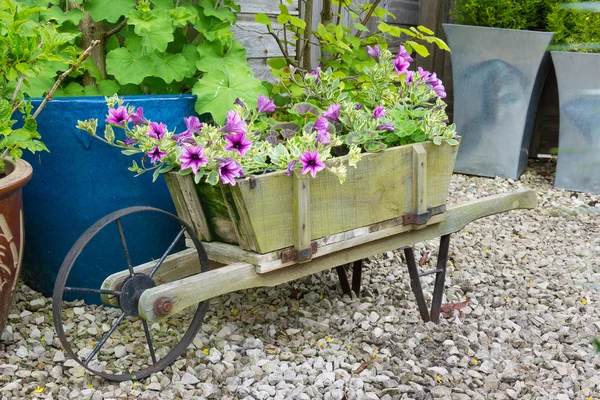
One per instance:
(359, 106)
(436, 83)
(228, 170)
(423, 75)
(238, 142)
(404, 54)
(265, 104)
(156, 130)
(317, 73)
(192, 124)
(193, 157)
(234, 123)
(129, 141)
(184, 137)
(374, 52)
(138, 118)
(117, 116)
(333, 112)
(323, 137)
(156, 154)
(401, 65)
(410, 77)
(290, 167)
(311, 163)
(239, 102)
(386, 127)
(321, 124)
(379, 112)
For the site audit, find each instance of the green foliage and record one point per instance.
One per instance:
(575, 28)
(151, 46)
(343, 47)
(27, 49)
(510, 14)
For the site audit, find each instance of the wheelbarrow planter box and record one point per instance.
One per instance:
(403, 185)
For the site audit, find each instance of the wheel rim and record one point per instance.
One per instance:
(127, 296)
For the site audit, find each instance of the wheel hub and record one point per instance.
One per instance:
(131, 292)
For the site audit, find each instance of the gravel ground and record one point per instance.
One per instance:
(531, 277)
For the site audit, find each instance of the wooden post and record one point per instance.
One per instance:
(419, 179)
(301, 216)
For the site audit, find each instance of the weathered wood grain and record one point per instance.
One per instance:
(420, 179)
(256, 40)
(270, 7)
(176, 266)
(406, 11)
(379, 189)
(187, 204)
(189, 291)
(301, 211)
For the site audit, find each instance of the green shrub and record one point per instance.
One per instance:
(578, 29)
(510, 14)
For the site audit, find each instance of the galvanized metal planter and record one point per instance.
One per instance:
(578, 165)
(498, 77)
(258, 213)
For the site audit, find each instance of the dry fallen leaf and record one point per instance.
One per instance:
(447, 308)
(360, 368)
(424, 259)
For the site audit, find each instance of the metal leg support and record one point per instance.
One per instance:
(356, 278)
(440, 276)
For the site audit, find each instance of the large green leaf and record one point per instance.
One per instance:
(217, 55)
(127, 67)
(222, 13)
(110, 10)
(155, 29)
(218, 89)
(190, 53)
(74, 15)
(170, 67)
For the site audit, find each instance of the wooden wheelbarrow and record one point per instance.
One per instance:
(159, 289)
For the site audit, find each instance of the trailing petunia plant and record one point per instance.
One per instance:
(395, 107)
(250, 141)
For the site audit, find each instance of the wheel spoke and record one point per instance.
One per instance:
(149, 340)
(104, 339)
(159, 263)
(125, 250)
(95, 291)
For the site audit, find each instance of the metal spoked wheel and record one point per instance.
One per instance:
(112, 341)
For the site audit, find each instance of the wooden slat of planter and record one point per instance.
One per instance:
(420, 178)
(301, 211)
(187, 204)
(371, 194)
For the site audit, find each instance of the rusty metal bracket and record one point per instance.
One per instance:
(421, 219)
(290, 255)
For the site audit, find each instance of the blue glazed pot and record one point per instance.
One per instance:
(498, 76)
(80, 181)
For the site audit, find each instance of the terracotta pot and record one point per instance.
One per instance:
(11, 231)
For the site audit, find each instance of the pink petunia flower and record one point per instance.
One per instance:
(238, 142)
(311, 163)
(228, 170)
(193, 157)
(117, 116)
